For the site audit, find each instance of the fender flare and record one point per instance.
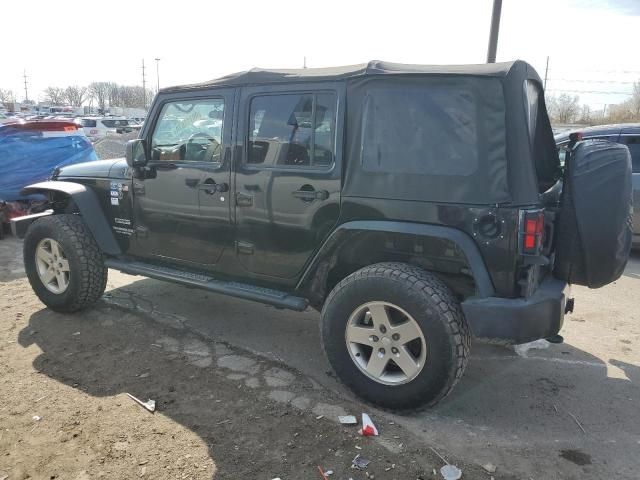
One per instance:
(89, 206)
(484, 285)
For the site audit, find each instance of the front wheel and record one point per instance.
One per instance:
(64, 263)
(395, 335)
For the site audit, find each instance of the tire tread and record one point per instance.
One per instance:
(92, 270)
(425, 284)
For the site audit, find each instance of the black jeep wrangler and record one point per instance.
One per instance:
(414, 206)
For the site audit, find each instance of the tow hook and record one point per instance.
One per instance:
(568, 308)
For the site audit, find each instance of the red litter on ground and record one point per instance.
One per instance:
(368, 428)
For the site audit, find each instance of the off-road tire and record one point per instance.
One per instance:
(88, 273)
(432, 306)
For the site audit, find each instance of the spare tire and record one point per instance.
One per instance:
(594, 227)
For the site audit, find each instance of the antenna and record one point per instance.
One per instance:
(304, 62)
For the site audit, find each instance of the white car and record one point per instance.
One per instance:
(4, 118)
(100, 127)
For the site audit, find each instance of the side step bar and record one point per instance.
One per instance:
(233, 289)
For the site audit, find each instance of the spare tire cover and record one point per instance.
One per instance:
(598, 181)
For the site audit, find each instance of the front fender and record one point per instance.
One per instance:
(88, 205)
(322, 260)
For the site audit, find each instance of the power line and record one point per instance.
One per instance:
(603, 92)
(581, 80)
(626, 72)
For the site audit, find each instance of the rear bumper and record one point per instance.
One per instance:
(519, 320)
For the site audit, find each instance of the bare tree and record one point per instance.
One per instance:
(585, 115)
(99, 91)
(635, 101)
(133, 96)
(75, 95)
(127, 96)
(114, 95)
(55, 95)
(7, 96)
(564, 108)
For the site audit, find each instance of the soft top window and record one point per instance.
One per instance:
(420, 130)
(427, 138)
(545, 154)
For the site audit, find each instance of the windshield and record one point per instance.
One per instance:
(88, 123)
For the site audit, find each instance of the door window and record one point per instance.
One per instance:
(189, 131)
(292, 130)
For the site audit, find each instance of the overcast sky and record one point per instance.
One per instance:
(592, 44)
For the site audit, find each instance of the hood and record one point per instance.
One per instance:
(116, 167)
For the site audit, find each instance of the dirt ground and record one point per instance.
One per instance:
(222, 412)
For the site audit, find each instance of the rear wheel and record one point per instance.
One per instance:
(63, 263)
(395, 335)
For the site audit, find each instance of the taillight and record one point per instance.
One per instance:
(532, 231)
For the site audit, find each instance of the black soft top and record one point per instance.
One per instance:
(513, 156)
(259, 76)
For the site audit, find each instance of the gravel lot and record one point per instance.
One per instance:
(113, 146)
(238, 396)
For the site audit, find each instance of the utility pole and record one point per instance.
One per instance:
(26, 91)
(144, 86)
(546, 71)
(158, 74)
(495, 29)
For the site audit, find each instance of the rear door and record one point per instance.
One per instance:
(288, 179)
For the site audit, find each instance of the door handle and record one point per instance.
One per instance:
(191, 182)
(244, 200)
(311, 194)
(209, 186)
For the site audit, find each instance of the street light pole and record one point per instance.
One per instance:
(158, 74)
(495, 28)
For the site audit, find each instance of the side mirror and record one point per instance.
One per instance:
(136, 153)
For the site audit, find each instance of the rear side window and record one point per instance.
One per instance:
(292, 130)
(115, 123)
(531, 106)
(633, 143)
(88, 123)
(418, 130)
(543, 148)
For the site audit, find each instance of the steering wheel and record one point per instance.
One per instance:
(210, 149)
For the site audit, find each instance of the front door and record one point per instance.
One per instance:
(181, 198)
(288, 182)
